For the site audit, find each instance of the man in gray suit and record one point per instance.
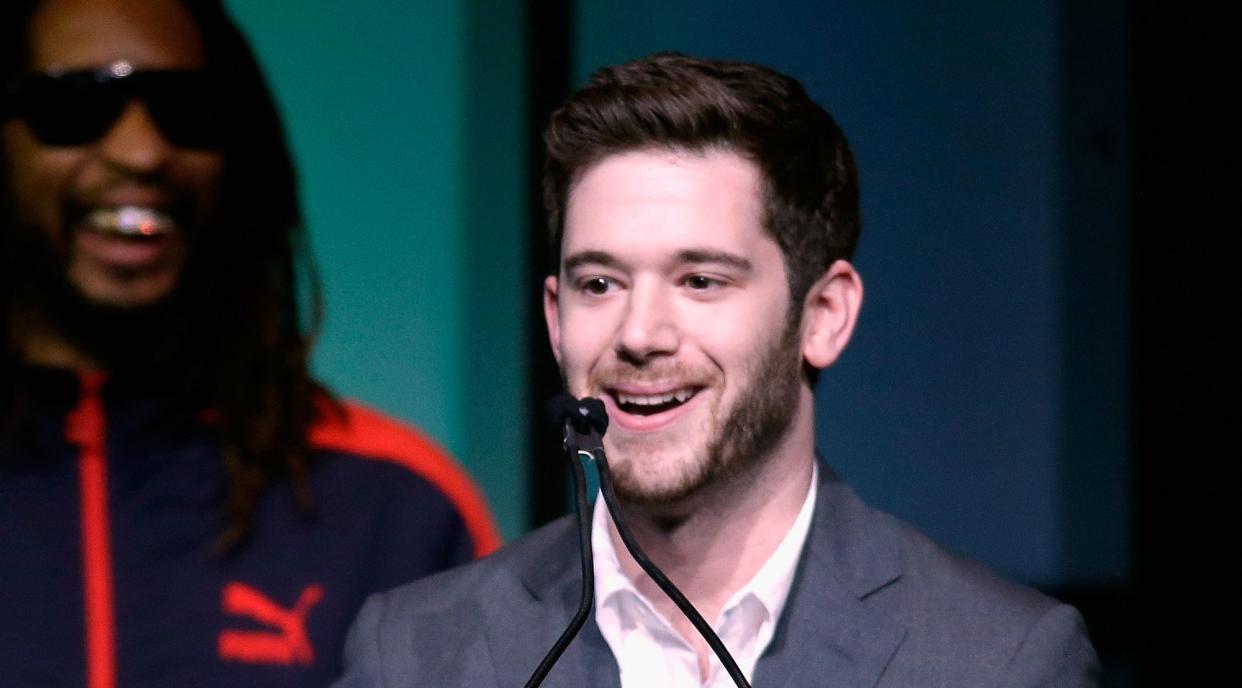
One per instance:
(704, 214)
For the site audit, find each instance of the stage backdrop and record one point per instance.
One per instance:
(406, 122)
(984, 396)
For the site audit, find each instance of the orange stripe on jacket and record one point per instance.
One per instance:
(85, 427)
(373, 435)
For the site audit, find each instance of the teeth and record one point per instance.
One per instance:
(130, 220)
(680, 396)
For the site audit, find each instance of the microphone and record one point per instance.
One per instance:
(584, 414)
(584, 422)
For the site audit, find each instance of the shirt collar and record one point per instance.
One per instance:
(770, 585)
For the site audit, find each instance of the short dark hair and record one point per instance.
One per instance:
(248, 341)
(677, 102)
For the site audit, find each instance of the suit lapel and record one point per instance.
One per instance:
(827, 634)
(521, 631)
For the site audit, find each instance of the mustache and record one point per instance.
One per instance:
(615, 373)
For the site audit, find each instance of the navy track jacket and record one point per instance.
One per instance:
(110, 504)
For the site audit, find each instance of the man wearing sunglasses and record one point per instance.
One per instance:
(180, 502)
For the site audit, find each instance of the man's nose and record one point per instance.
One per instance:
(649, 327)
(134, 143)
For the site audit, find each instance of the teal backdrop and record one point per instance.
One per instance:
(406, 121)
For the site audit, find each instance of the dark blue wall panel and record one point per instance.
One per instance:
(962, 403)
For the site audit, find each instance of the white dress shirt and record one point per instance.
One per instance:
(651, 653)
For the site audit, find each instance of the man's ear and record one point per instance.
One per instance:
(551, 314)
(829, 313)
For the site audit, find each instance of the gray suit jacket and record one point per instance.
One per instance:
(873, 603)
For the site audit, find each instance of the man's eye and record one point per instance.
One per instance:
(700, 282)
(596, 285)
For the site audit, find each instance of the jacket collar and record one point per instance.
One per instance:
(850, 553)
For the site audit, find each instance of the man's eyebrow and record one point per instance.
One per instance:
(689, 255)
(703, 255)
(577, 260)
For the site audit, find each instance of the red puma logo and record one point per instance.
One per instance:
(287, 645)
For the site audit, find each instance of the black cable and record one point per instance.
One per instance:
(585, 421)
(726, 659)
(588, 564)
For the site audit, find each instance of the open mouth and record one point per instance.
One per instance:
(130, 222)
(652, 404)
(127, 237)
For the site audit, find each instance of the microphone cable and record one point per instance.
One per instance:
(563, 407)
(705, 630)
(586, 421)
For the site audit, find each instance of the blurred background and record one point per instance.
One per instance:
(991, 391)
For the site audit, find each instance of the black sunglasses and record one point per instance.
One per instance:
(78, 107)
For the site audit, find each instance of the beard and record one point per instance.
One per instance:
(117, 337)
(739, 438)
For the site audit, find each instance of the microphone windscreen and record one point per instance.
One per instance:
(596, 414)
(585, 414)
(560, 408)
